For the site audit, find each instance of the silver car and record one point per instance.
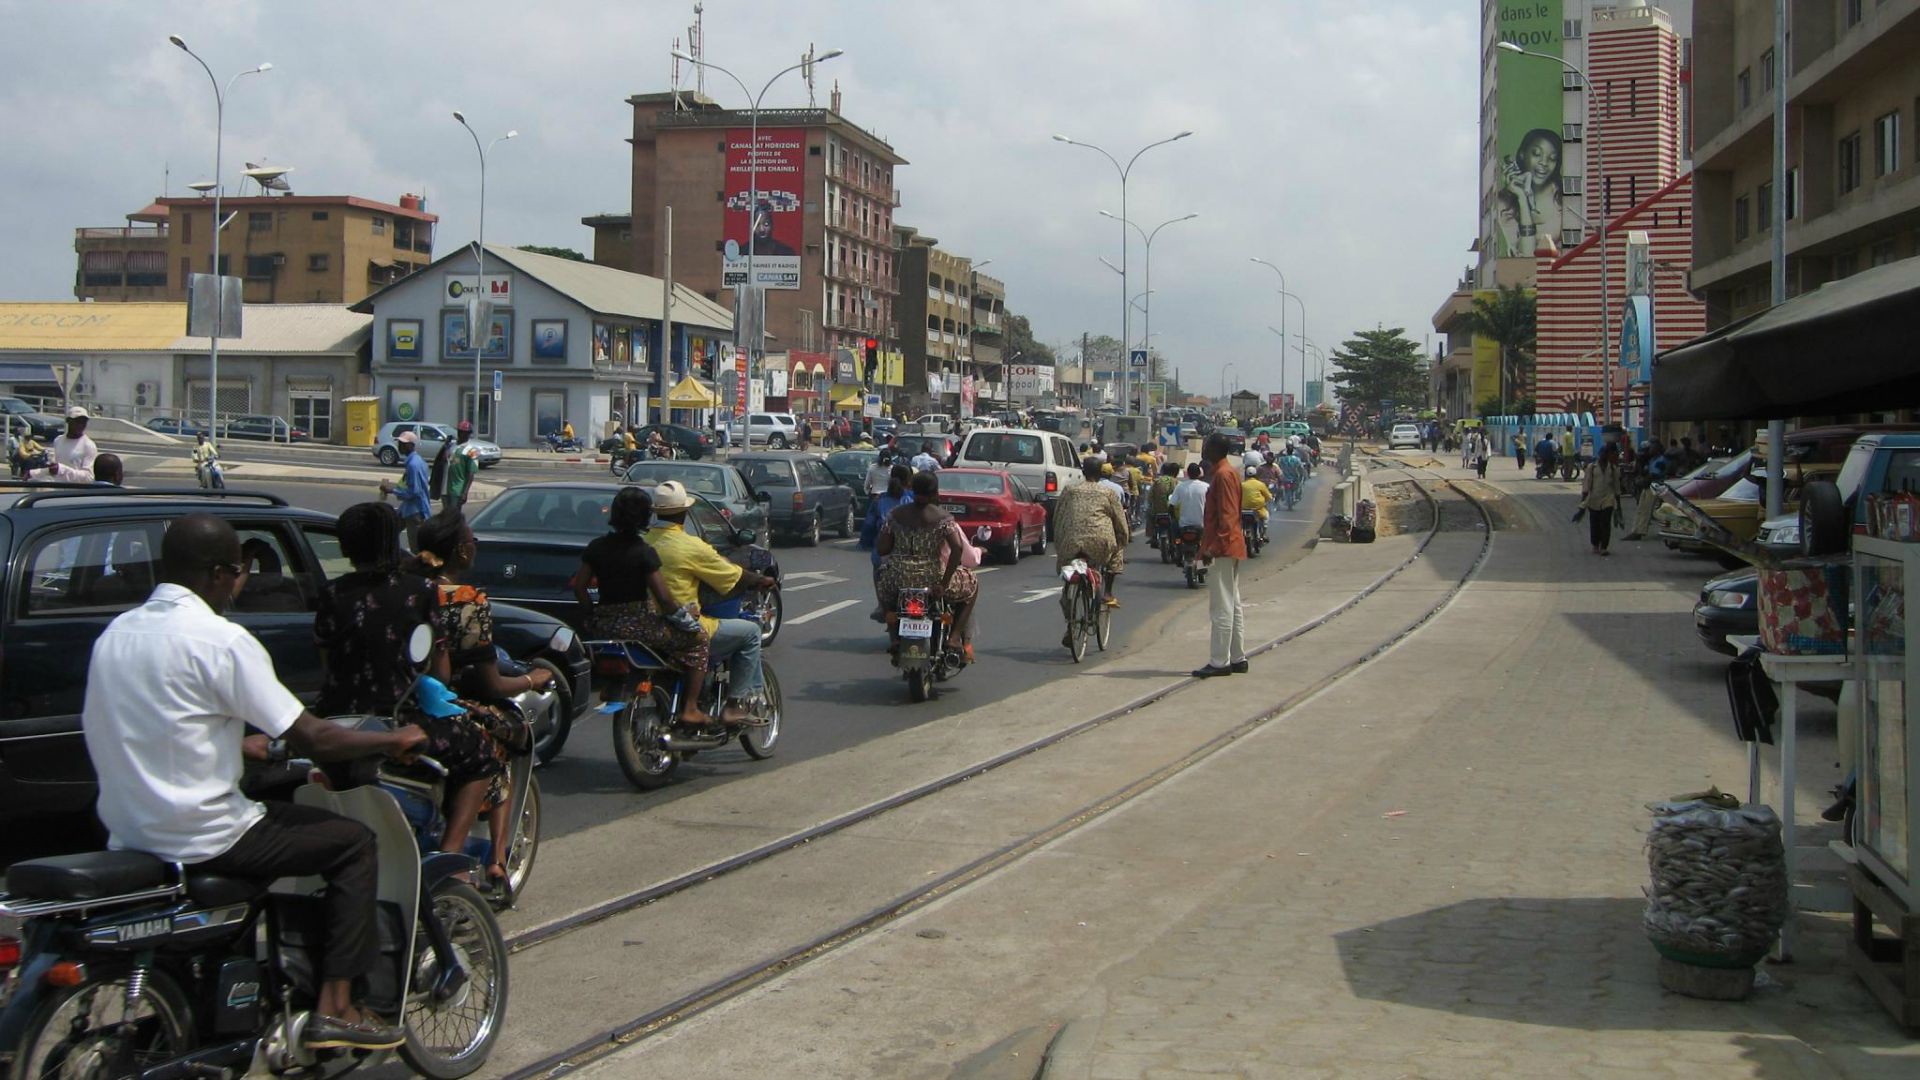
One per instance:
(429, 436)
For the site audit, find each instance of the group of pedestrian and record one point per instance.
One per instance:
(449, 478)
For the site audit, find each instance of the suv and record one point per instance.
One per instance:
(427, 440)
(1043, 460)
(76, 556)
(778, 430)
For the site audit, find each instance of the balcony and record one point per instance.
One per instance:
(148, 232)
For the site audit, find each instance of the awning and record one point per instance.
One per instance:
(27, 373)
(691, 393)
(1845, 347)
(849, 397)
(383, 262)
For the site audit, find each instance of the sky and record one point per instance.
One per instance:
(1335, 138)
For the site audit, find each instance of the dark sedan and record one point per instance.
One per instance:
(529, 540)
(850, 468)
(803, 496)
(719, 482)
(687, 442)
(942, 447)
(264, 429)
(168, 425)
(1728, 605)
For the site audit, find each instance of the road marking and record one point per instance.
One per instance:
(805, 585)
(1034, 596)
(828, 610)
(978, 570)
(803, 574)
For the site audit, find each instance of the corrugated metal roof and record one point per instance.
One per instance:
(74, 326)
(606, 291)
(284, 329)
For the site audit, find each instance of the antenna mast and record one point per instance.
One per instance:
(806, 72)
(697, 48)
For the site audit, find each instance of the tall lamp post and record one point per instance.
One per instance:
(753, 188)
(1223, 382)
(478, 334)
(1284, 294)
(219, 294)
(973, 293)
(1146, 331)
(1126, 306)
(1588, 131)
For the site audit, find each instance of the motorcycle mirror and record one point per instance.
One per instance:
(420, 644)
(562, 640)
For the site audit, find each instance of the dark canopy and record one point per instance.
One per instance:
(1850, 346)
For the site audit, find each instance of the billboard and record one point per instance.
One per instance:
(1530, 103)
(771, 214)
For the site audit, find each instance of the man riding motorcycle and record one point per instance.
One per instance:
(688, 562)
(1254, 496)
(171, 688)
(1089, 524)
(1160, 496)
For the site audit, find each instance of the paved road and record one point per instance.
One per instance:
(838, 687)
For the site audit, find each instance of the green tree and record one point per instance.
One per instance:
(1021, 342)
(556, 252)
(1102, 352)
(1379, 365)
(1510, 319)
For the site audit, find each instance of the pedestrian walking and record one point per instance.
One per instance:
(412, 488)
(1600, 497)
(1466, 451)
(1222, 542)
(1520, 451)
(461, 469)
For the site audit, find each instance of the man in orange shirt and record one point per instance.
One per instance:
(1222, 542)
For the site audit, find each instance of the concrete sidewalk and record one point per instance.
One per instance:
(1432, 869)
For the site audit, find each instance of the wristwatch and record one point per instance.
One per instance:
(278, 752)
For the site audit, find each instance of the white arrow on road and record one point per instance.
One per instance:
(828, 610)
(1034, 596)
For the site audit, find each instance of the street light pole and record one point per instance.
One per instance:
(1284, 294)
(1223, 382)
(1589, 132)
(477, 335)
(219, 293)
(1146, 332)
(1126, 310)
(753, 194)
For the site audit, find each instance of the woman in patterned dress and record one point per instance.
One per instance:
(921, 546)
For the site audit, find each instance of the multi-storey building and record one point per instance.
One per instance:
(1853, 101)
(288, 249)
(964, 313)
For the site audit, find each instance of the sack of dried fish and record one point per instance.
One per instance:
(1718, 893)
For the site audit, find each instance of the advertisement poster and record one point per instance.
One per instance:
(966, 397)
(740, 379)
(457, 344)
(772, 217)
(1531, 103)
(549, 339)
(499, 290)
(1276, 401)
(403, 339)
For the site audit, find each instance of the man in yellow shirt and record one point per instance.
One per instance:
(1254, 496)
(688, 562)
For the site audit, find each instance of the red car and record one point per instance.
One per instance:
(1014, 517)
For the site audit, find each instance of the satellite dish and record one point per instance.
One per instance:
(269, 177)
(202, 186)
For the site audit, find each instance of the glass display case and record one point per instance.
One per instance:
(1885, 573)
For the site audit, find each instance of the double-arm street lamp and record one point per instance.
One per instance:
(219, 294)
(1126, 304)
(752, 288)
(1146, 332)
(1590, 133)
(1285, 295)
(477, 335)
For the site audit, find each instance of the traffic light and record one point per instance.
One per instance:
(873, 360)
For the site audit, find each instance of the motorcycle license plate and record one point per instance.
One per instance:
(916, 628)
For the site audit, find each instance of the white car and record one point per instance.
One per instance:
(935, 423)
(428, 439)
(776, 431)
(1407, 435)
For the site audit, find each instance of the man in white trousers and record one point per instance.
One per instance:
(1222, 542)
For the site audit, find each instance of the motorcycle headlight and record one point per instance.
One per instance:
(1729, 598)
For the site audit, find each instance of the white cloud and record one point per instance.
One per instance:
(1335, 137)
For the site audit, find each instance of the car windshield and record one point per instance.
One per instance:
(554, 511)
(851, 462)
(768, 473)
(1001, 446)
(1743, 490)
(971, 483)
(700, 479)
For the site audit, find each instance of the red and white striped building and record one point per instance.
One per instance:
(1634, 139)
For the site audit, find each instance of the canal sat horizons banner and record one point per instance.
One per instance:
(1528, 179)
(771, 216)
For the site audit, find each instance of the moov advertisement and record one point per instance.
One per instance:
(763, 207)
(1528, 181)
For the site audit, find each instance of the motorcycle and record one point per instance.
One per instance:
(560, 444)
(1189, 556)
(1163, 536)
(211, 475)
(1543, 468)
(1254, 531)
(922, 628)
(645, 695)
(131, 965)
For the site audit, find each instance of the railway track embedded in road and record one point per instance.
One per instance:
(609, 1040)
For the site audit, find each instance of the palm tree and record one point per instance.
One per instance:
(1509, 318)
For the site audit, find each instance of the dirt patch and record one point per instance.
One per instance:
(1502, 507)
(1401, 508)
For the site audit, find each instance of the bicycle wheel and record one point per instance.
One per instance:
(1077, 622)
(1102, 623)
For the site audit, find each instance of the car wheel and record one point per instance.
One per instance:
(389, 456)
(1823, 519)
(1010, 552)
(811, 537)
(777, 442)
(1040, 543)
(847, 526)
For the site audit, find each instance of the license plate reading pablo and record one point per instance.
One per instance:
(916, 628)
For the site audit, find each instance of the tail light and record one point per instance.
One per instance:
(799, 500)
(914, 607)
(9, 954)
(1053, 483)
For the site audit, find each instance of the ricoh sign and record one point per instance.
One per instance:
(1029, 380)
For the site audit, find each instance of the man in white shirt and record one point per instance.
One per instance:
(73, 453)
(924, 461)
(1107, 481)
(1189, 500)
(171, 688)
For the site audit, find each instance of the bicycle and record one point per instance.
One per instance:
(1088, 614)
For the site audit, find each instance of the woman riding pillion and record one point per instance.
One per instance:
(633, 597)
(922, 547)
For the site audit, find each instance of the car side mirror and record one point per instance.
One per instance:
(420, 644)
(745, 537)
(562, 640)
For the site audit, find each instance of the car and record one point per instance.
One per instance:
(994, 500)
(428, 437)
(934, 422)
(690, 443)
(719, 482)
(851, 466)
(1739, 510)
(803, 496)
(1404, 435)
(528, 542)
(263, 429)
(169, 425)
(778, 431)
(885, 426)
(77, 556)
(940, 446)
(1045, 461)
(45, 426)
(1727, 605)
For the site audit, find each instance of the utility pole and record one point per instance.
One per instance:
(666, 320)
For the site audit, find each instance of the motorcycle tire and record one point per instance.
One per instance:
(547, 743)
(647, 767)
(526, 845)
(1193, 577)
(920, 684)
(759, 742)
(457, 1043)
(770, 627)
(48, 1043)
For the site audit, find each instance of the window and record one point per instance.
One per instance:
(274, 580)
(1570, 132)
(1882, 252)
(1743, 88)
(483, 429)
(313, 412)
(319, 215)
(102, 267)
(186, 228)
(1571, 237)
(1793, 193)
(1572, 185)
(1740, 212)
(1886, 143)
(259, 266)
(1848, 160)
(1854, 12)
(1571, 29)
(325, 543)
(107, 567)
(1763, 207)
(260, 221)
(186, 270)
(1766, 70)
(148, 268)
(1845, 266)
(379, 226)
(317, 262)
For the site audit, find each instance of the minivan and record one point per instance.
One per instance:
(1044, 460)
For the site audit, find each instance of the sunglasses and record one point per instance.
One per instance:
(233, 568)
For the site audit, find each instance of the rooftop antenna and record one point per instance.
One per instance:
(674, 78)
(697, 48)
(166, 179)
(806, 72)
